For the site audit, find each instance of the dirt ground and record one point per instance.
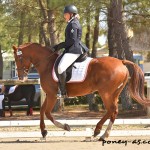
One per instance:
(76, 143)
(75, 112)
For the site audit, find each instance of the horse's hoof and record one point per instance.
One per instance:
(100, 139)
(96, 133)
(44, 133)
(67, 127)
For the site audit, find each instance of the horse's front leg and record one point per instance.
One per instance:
(42, 124)
(56, 123)
(51, 100)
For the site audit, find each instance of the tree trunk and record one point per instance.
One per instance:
(125, 99)
(93, 106)
(43, 28)
(43, 34)
(51, 26)
(88, 30)
(118, 42)
(110, 35)
(21, 28)
(96, 33)
(1, 64)
(29, 30)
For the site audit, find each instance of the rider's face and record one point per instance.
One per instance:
(67, 16)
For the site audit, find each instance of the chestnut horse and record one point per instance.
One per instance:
(107, 75)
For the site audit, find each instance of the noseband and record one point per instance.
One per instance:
(22, 68)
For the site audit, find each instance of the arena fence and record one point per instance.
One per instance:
(88, 132)
(37, 81)
(29, 81)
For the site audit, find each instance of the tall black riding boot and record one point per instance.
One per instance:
(62, 84)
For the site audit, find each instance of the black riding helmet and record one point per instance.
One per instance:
(70, 9)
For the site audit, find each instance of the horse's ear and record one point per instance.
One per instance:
(14, 48)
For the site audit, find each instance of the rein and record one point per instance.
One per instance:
(38, 63)
(23, 68)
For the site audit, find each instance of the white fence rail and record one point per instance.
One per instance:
(87, 122)
(17, 82)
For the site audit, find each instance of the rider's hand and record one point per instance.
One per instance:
(59, 46)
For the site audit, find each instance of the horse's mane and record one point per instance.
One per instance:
(24, 45)
(30, 43)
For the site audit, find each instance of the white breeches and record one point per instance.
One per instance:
(1, 100)
(66, 61)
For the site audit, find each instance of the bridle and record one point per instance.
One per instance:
(23, 68)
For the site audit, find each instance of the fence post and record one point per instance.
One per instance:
(148, 96)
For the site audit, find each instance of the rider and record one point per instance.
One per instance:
(72, 45)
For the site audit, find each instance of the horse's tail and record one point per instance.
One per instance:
(136, 83)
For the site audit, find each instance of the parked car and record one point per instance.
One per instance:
(147, 75)
(37, 97)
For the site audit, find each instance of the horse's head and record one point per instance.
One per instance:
(23, 63)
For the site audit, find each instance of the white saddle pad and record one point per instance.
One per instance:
(78, 72)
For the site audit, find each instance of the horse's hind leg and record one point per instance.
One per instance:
(111, 107)
(111, 122)
(100, 123)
